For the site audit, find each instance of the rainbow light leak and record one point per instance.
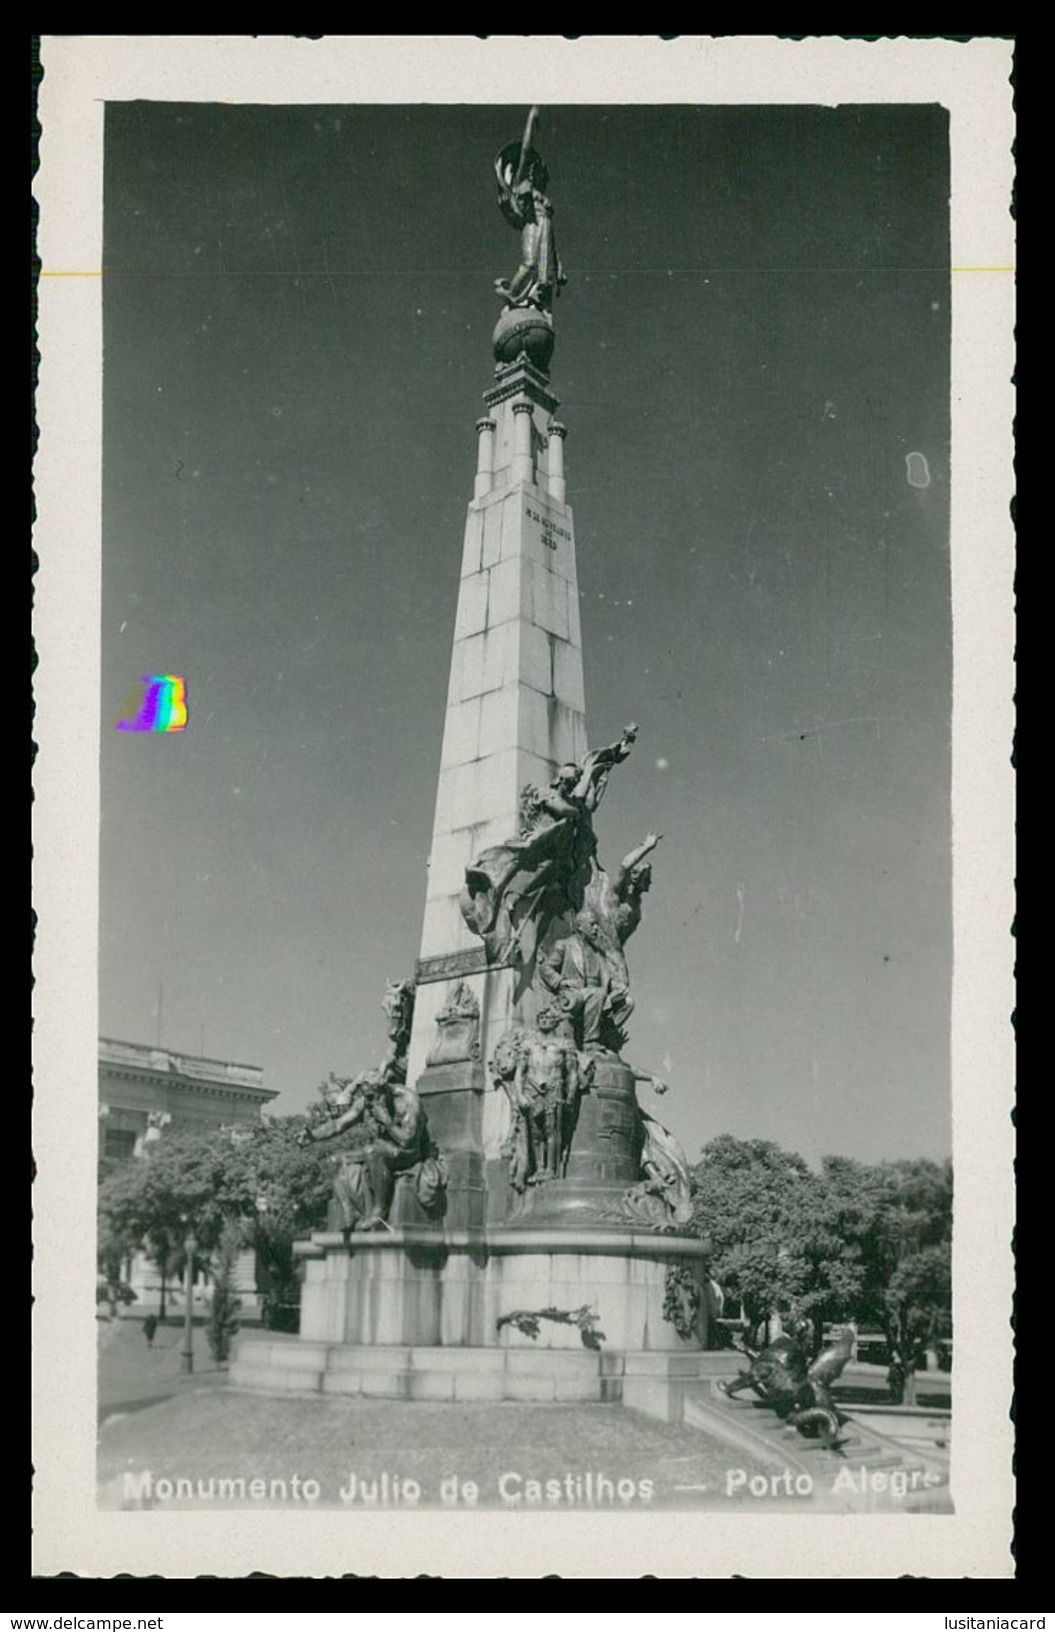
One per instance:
(164, 705)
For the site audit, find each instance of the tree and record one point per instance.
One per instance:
(113, 1250)
(911, 1261)
(856, 1241)
(182, 1181)
(114, 1293)
(291, 1187)
(222, 1323)
(254, 1174)
(917, 1311)
(778, 1231)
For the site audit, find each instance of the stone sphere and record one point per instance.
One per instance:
(524, 329)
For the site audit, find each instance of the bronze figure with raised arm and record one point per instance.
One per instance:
(389, 1138)
(544, 870)
(523, 198)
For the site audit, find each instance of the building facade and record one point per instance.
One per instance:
(145, 1092)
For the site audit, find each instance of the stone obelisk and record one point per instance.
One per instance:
(515, 700)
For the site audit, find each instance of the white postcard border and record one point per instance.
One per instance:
(80, 74)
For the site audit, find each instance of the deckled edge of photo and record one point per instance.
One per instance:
(80, 74)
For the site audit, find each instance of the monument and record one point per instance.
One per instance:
(510, 1223)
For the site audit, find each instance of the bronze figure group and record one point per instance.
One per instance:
(382, 1125)
(795, 1385)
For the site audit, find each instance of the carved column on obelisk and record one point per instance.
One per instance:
(515, 703)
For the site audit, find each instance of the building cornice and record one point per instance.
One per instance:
(161, 1067)
(204, 1090)
(521, 379)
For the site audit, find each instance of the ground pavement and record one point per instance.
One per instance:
(163, 1431)
(133, 1375)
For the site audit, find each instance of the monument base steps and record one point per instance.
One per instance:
(650, 1382)
(866, 1472)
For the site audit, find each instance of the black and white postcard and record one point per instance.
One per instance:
(523, 806)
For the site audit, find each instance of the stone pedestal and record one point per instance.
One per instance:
(415, 1315)
(423, 1287)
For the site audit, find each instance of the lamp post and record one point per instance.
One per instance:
(187, 1356)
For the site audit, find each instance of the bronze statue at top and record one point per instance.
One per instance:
(523, 198)
(525, 327)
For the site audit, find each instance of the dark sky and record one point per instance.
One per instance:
(754, 338)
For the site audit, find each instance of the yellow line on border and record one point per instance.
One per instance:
(47, 273)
